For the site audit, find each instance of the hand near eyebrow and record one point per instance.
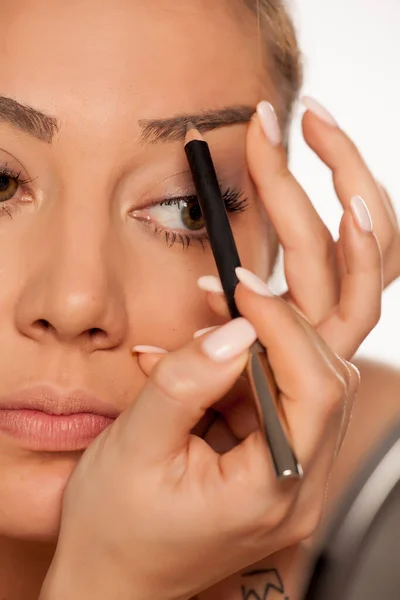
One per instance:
(321, 277)
(333, 284)
(153, 511)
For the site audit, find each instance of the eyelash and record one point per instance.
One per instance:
(234, 200)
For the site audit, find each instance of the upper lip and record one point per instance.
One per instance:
(56, 401)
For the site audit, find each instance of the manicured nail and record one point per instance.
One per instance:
(230, 340)
(252, 282)
(210, 283)
(361, 213)
(318, 110)
(269, 122)
(201, 332)
(149, 350)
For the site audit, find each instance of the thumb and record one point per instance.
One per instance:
(147, 361)
(180, 388)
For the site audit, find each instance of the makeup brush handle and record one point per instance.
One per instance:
(266, 396)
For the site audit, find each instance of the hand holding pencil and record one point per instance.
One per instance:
(150, 493)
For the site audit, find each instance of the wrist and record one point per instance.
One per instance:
(78, 580)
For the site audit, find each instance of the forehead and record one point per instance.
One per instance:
(118, 57)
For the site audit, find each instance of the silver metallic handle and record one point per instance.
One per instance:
(265, 394)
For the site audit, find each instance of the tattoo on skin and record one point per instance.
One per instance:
(264, 584)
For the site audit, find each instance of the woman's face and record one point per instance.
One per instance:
(90, 265)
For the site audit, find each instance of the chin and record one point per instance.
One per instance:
(31, 491)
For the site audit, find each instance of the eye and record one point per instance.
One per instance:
(8, 187)
(192, 216)
(12, 190)
(180, 219)
(178, 214)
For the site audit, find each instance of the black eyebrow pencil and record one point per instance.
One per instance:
(258, 371)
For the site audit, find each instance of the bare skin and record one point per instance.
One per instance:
(99, 73)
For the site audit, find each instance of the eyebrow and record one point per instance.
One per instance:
(28, 119)
(45, 127)
(173, 129)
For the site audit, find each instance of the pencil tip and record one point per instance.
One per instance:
(190, 126)
(192, 133)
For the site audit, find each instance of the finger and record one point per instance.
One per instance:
(220, 437)
(238, 410)
(391, 262)
(312, 380)
(237, 407)
(304, 237)
(354, 380)
(312, 494)
(215, 294)
(389, 205)
(179, 390)
(340, 259)
(149, 358)
(351, 175)
(359, 307)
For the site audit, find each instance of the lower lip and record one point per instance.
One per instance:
(36, 430)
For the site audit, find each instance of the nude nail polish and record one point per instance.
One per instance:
(269, 122)
(202, 332)
(318, 110)
(361, 214)
(210, 283)
(230, 340)
(149, 350)
(252, 282)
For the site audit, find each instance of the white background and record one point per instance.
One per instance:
(352, 66)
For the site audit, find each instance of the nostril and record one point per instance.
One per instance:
(42, 324)
(96, 332)
(99, 337)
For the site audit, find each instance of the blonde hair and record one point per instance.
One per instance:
(279, 41)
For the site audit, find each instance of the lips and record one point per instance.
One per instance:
(44, 418)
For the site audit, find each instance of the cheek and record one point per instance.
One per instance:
(166, 306)
(165, 303)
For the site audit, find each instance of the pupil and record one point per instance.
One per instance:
(195, 212)
(4, 183)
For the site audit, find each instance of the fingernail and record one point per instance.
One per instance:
(201, 332)
(361, 213)
(318, 110)
(230, 340)
(269, 122)
(210, 283)
(149, 350)
(252, 282)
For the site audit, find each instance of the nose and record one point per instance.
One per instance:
(72, 293)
